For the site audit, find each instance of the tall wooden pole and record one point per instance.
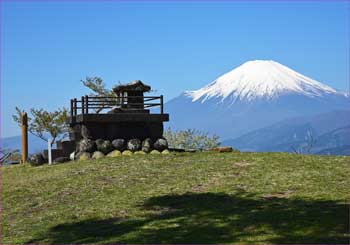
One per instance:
(24, 121)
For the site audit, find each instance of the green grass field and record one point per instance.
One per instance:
(179, 198)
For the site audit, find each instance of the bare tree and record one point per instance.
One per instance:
(309, 144)
(98, 88)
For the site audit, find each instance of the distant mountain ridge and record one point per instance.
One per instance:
(329, 130)
(35, 144)
(257, 94)
(340, 151)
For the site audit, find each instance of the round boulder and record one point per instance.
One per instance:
(140, 153)
(104, 146)
(61, 159)
(97, 155)
(87, 145)
(36, 159)
(119, 144)
(160, 144)
(166, 152)
(127, 153)
(134, 145)
(114, 153)
(155, 152)
(147, 145)
(82, 156)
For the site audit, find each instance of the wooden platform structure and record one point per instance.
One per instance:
(126, 115)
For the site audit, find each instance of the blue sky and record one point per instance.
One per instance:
(48, 47)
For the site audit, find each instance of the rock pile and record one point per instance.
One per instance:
(99, 148)
(88, 148)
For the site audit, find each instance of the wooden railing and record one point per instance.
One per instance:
(95, 104)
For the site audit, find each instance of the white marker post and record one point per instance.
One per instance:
(49, 150)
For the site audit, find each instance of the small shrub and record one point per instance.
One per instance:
(191, 139)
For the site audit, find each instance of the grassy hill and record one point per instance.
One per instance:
(179, 198)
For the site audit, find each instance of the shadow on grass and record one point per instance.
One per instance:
(214, 218)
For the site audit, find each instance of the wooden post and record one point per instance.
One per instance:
(24, 121)
(161, 104)
(71, 109)
(82, 105)
(72, 115)
(75, 107)
(86, 104)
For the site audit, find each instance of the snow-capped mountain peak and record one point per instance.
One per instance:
(260, 79)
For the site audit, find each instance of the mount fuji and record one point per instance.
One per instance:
(254, 95)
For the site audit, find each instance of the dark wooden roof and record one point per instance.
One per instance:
(136, 85)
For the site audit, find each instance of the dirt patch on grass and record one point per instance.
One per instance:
(204, 186)
(199, 188)
(243, 164)
(281, 194)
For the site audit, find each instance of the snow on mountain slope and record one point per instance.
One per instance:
(260, 79)
(252, 96)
